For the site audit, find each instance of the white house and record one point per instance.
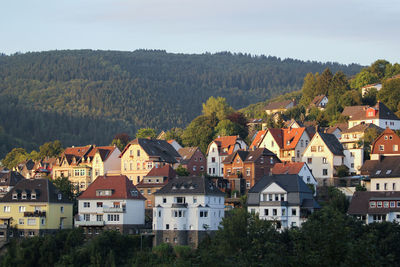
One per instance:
(111, 203)
(283, 199)
(105, 160)
(382, 174)
(218, 150)
(320, 102)
(367, 88)
(323, 155)
(186, 209)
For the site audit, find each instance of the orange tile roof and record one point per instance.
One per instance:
(165, 171)
(291, 137)
(287, 168)
(120, 185)
(258, 139)
(78, 151)
(105, 151)
(226, 142)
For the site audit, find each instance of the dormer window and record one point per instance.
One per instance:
(378, 172)
(386, 137)
(388, 171)
(104, 192)
(59, 196)
(15, 196)
(134, 193)
(24, 196)
(33, 196)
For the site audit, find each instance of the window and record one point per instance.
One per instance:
(180, 200)
(149, 165)
(164, 200)
(21, 233)
(271, 160)
(283, 212)
(213, 159)
(201, 168)
(309, 160)
(43, 221)
(390, 137)
(203, 213)
(213, 170)
(395, 147)
(377, 186)
(76, 172)
(159, 213)
(325, 172)
(324, 160)
(21, 208)
(138, 153)
(352, 165)
(272, 143)
(167, 226)
(62, 209)
(294, 224)
(394, 186)
(372, 204)
(113, 217)
(385, 186)
(266, 212)
(386, 204)
(194, 168)
(386, 138)
(248, 185)
(352, 154)
(320, 149)
(379, 204)
(313, 149)
(302, 143)
(21, 221)
(381, 148)
(99, 218)
(282, 197)
(298, 153)
(149, 191)
(138, 179)
(7, 209)
(274, 212)
(86, 217)
(294, 212)
(86, 204)
(99, 204)
(392, 204)
(31, 222)
(83, 172)
(248, 172)
(194, 199)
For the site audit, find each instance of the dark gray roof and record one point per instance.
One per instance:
(332, 143)
(359, 204)
(249, 156)
(157, 148)
(187, 153)
(362, 127)
(10, 178)
(383, 168)
(189, 186)
(279, 105)
(44, 189)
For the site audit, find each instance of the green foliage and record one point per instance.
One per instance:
(181, 171)
(121, 140)
(146, 133)
(217, 106)
(226, 128)
(324, 82)
(370, 97)
(65, 186)
(199, 132)
(16, 156)
(175, 134)
(360, 188)
(308, 89)
(51, 149)
(337, 200)
(342, 171)
(390, 94)
(363, 78)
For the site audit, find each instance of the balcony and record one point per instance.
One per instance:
(35, 214)
(89, 223)
(3, 226)
(114, 210)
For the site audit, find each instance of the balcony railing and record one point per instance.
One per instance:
(114, 210)
(89, 223)
(35, 214)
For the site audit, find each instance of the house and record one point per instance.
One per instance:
(218, 150)
(254, 124)
(372, 207)
(34, 207)
(243, 169)
(186, 210)
(320, 102)
(141, 155)
(8, 179)
(386, 144)
(44, 167)
(367, 88)
(380, 115)
(193, 160)
(299, 168)
(283, 199)
(279, 107)
(288, 144)
(337, 129)
(105, 160)
(154, 181)
(353, 148)
(27, 168)
(174, 144)
(382, 174)
(75, 164)
(111, 202)
(323, 155)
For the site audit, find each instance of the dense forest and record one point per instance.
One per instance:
(85, 96)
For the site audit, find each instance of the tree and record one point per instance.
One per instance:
(200, 132)
(14, 157)
(174, 134)
(390, 94)
(146, 133)
(308, 89)
(65, 186)
(370, 97)
(323, 82)
(51, 149)
(218, 106)
(379, 68)
(121, 140)
(363, 78)
(181, 171)
(227, 128)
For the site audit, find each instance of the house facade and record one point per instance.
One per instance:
(193, 160)
(243, 169)
(218, 150)
(299, 168)
(382, 174)
(8, 179)
(141, 155)
(34, 207)
(111, 202)
(186, 210)
(320, 102)
(323, 155)
(386, 144)
(283, 199)
(105, 159)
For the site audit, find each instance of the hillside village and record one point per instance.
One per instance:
(279, 166)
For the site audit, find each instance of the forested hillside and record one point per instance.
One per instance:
(85, 96)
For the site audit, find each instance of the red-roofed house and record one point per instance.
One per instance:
(193, 160)
(111, 203)
(153, 181)
(299, 168)
(288, 144)
(386, 144)
(218, 150)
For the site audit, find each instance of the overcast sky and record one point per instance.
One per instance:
(344, 31)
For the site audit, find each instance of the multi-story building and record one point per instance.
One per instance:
(371, 207)
(193, 160)
(186, 210)
(323, 155)
(288, 144)
(34, 207)
(141, 155)
(154, 181)
(218, 150)
(8, 179)
(386, 144)
(243, 168)
(299, 168)
(111, 203)
(380, 115)
(105, 160)
(382, 174)
(283, 199)
(353, 148)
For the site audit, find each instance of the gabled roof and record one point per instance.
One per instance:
(258, 138)
(289, 182)
(332, 143)
(287, 168)
(76, 152)
(287, 139)
(10, 178)
(386, 132)
(279, 105)
(350, 111)
(187, 153)
(104, 152)
(190, 186)
(361, 128)
(384, 168)
(121, 186)
(359, 112)
(277, 134)
(165, 171)
(44, 189)
(317, 100)
(248, 156)
(225, 143)
(155, 148)
(359, 204)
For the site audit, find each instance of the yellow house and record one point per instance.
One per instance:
(141, 155)
(34, 207)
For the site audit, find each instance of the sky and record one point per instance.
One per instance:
(344, 31)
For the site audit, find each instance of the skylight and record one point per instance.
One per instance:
(388, 171)
(378, 172)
